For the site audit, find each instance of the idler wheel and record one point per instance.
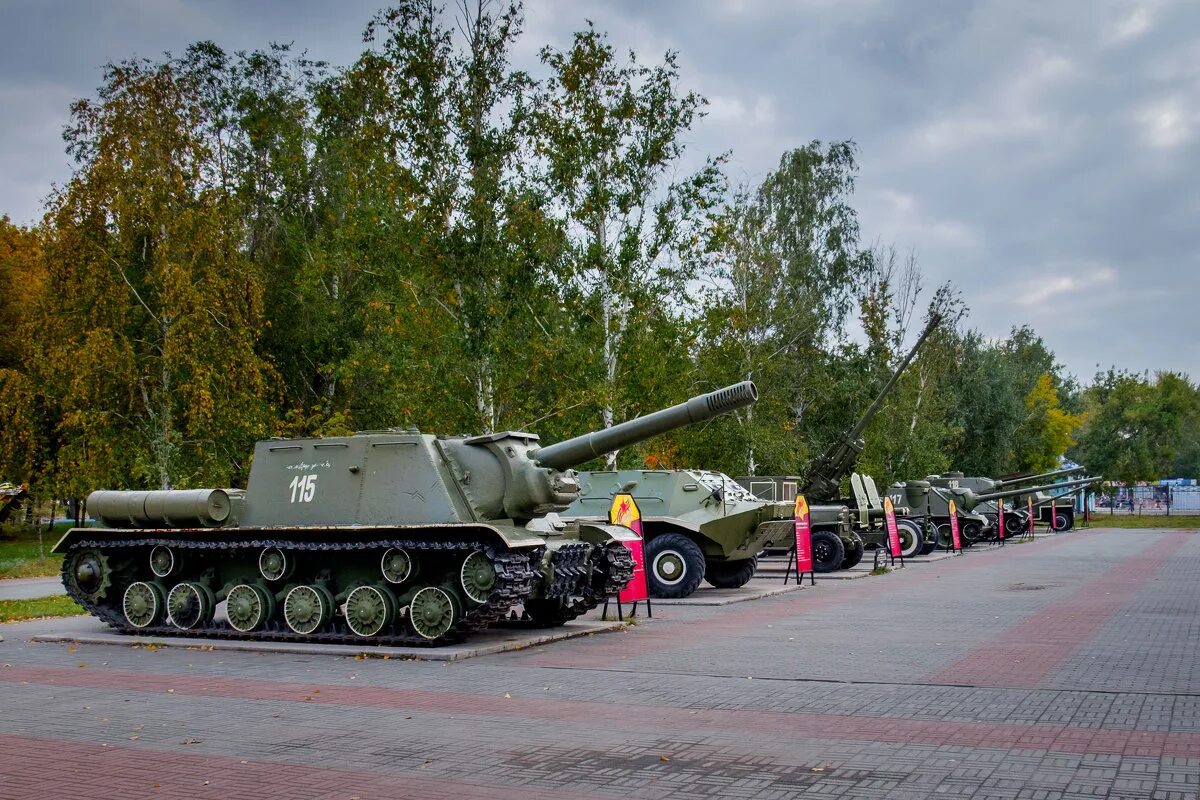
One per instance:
(396, 565)
(478, 577)
(190, 605)
(249, 607)
(431, 612)
(273, 563)
(307, 609)
(369, 609)
(162, 561)
(143, 604)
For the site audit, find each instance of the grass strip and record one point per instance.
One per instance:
(1174, 522)
(38, 608)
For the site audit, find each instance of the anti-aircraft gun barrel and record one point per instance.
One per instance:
(825, 477)
(1053, 474)
(580, 449)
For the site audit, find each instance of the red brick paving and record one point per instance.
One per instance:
(1028, 652)
(54, 769)
(636, 718)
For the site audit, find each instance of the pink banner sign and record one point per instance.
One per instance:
(954, 526)
(889, 516)
(804, 554)
(1000, 521)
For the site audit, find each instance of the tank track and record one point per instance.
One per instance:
(515, 580)
(592, 587)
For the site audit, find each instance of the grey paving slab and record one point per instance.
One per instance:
(87, 630)
(897, 687)
(756, 589)
(30, 588)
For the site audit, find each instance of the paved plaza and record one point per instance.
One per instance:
(1063, 668)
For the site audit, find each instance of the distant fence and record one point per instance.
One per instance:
(1151, 500)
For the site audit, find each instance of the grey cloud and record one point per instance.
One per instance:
(1044, 156)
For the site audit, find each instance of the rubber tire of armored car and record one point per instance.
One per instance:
(674, 565)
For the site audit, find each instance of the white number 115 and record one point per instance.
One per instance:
(303, 488)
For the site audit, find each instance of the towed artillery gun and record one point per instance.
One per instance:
(386, 537)
(1019, 519)
(698, 525)
(836, 544)
(974, 525)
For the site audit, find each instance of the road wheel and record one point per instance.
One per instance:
(828, 551)
(971, 533)
(854, 551)
(1063, 522)
(930, 537)
(730, 574)
(674, 565)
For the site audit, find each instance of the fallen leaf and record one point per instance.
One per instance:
(507, 696)
(664, 758)
(71, 649)
(134, 738)
(190, 740)
(170, 691)
(82, 665)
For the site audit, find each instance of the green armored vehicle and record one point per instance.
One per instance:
(836, 544)
(389, 536)
(933, 502)
(1016, 519)
(698, 525)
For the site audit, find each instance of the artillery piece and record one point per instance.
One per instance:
(389, 536)
(935, 502)
(1017, 518)
(837, 545)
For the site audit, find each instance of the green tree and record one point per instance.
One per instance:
(152, 313)
(612, 132)
(1134, 427)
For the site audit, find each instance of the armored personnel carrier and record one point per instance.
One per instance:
(698, 525)
(390, 536)
(822, 487)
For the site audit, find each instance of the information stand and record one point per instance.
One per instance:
(624, 512)
(1032, 521)
(955, 536)
(801, 554)
(893, 531)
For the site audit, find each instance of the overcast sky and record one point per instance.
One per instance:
(1043, 155)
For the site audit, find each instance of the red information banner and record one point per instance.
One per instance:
(889, 516)
(624, 512)
(1000, 521)
(954, 526)
(1031, 520)
(804, 555)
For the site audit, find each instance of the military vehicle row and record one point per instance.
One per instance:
(391, 536)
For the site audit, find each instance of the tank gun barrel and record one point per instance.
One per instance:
(580, 449)
(1033, 489)
(1052, 474)
(825, 476)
